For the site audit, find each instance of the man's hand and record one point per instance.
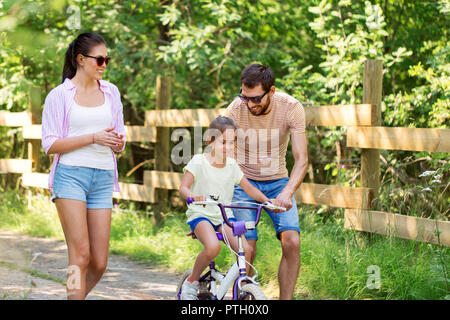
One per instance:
(284, 199)
(275, 202)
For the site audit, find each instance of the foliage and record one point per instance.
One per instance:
(316, 49)
(334, 261)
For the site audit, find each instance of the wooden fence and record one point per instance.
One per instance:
(363, 131)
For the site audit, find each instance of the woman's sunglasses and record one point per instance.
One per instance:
(257, 99)
(100, 60)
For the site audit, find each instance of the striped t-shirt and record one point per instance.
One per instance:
(262, 140)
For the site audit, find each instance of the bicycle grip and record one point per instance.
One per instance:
(189, 200)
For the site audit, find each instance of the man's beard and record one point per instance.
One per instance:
(263, 108)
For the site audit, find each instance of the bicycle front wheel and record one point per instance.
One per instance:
(252, 292)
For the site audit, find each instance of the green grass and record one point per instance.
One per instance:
(334, 260)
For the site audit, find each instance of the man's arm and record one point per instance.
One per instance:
(299, 150)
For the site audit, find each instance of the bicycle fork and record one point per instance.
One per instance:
(236, 273)
(242, 273)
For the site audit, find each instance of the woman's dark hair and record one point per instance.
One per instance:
(255, 74)
(218, 126)
(82, 44)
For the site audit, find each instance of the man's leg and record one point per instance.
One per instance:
(290, 263)
(287, 230)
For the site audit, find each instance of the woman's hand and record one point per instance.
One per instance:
(120, 146)
(109, 138)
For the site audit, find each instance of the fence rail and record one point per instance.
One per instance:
(363, 131)
(334, 115)
(398, 225)
(409, 139)
(14, 119)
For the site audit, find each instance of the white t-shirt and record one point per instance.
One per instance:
(88, 120)
(211, 180)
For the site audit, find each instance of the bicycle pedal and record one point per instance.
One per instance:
(206, 296)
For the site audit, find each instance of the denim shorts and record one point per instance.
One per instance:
(93, 186)
(193, 223)
(282, 221)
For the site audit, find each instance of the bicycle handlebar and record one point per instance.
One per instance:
(267, 205)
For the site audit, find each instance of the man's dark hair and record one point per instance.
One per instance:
(255, 74)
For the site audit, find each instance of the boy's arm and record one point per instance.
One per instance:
(252, 191)
(185, 187)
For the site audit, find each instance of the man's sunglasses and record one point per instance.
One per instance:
(257, 99)
(100, 60)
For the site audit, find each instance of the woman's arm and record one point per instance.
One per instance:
(105, 138)
(119, 126)
(70, 144)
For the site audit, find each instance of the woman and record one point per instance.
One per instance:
(82, 124)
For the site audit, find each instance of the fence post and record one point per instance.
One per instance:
(34, 146)
(162, 147)
(370, 158)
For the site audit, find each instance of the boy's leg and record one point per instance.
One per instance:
(211, 247)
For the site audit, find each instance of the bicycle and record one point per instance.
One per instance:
(237, 272)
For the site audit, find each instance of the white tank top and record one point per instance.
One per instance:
(88, 120)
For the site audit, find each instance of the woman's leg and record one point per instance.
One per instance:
(72, 214)
(248, 250)
(99, 227)
(211, 247)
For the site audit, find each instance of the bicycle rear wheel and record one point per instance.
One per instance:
(252, 292)
(180, 283)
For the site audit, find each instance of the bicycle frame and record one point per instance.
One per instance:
(237, 273)
(239, 228)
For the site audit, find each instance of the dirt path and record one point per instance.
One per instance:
(34, 268)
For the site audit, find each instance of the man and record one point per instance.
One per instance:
(266, 119)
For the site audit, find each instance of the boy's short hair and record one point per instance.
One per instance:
(255, 74)
(220, 124)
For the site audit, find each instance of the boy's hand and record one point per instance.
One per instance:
(196, 198)
(199, 198)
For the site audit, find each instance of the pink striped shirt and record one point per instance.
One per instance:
(55, 119)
